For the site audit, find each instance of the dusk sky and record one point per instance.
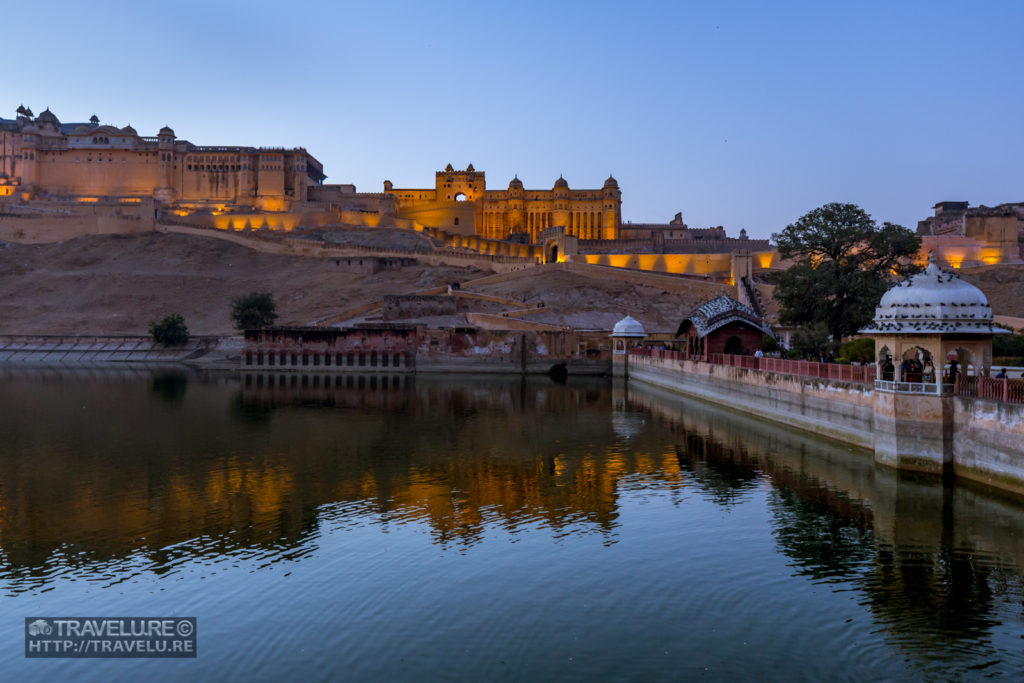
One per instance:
(745, 115)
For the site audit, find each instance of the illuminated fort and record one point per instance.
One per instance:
(86, 176)
(41, 157)
(460, 199)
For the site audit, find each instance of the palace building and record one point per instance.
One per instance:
(41, 157)
(460, 202)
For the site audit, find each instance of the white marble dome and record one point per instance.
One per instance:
(933, 302)
(628, 327)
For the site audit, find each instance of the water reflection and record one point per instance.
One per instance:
(938, 565)
(106, 476)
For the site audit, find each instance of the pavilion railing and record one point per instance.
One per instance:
(990, 388)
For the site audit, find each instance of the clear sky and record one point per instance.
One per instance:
(742, 114)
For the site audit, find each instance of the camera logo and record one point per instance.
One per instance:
(39, 627)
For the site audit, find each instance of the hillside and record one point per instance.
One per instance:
(117, 284)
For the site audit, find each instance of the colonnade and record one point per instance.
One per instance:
(586, 225)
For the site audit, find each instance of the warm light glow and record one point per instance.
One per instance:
(6, 190)
(130, 200)
(88, 200)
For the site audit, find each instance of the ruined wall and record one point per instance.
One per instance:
(368, 265)
(403, 348)
(63, 222)
(401, 306)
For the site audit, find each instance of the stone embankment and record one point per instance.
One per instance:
(981, 439)
(100, 350)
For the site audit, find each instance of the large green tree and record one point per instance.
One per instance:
(253, 311)
(842, 264)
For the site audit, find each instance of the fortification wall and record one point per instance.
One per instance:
(64, 222)
(713, 265)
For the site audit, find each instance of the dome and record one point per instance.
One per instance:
(166, 130)
(128, 130)
(933, 302)
(611, 183)
(561, 182)
(628, 327)
(48, 117)
(515, 183)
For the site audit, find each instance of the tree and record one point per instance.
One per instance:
(170, 331)
(842, 264)
(253, 311)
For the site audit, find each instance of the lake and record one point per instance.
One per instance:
(484, 528)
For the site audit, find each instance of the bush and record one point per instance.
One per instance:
(811, 342)
(769, 344)
(170, 331)
(253, 311)
(1008, 345)
(861, 350)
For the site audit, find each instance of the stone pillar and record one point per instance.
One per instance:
(914, 432)
(620, 357)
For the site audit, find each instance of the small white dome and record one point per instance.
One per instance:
(628, 327)
(932, 302)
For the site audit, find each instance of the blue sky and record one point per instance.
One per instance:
(744, 114)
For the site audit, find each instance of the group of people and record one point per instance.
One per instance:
(913, 370)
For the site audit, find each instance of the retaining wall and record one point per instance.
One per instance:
(978, 439)
(839, 410)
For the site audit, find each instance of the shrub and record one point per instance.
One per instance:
(253, 311)
(861, 350)
(1008, 345)
(170, 331)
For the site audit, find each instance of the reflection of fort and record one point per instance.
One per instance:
(215, 468)
(253, 468)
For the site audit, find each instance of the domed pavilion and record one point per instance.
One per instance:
(926, 320)
(626, 333)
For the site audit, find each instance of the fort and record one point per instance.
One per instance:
(509, 283)
(60, 180)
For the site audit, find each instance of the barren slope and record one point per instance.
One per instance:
(115, 284)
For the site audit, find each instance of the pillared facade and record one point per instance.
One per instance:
(461, 202)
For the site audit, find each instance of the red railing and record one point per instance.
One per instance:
(861, 374)
(990, 388)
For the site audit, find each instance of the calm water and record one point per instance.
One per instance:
(485, 529)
